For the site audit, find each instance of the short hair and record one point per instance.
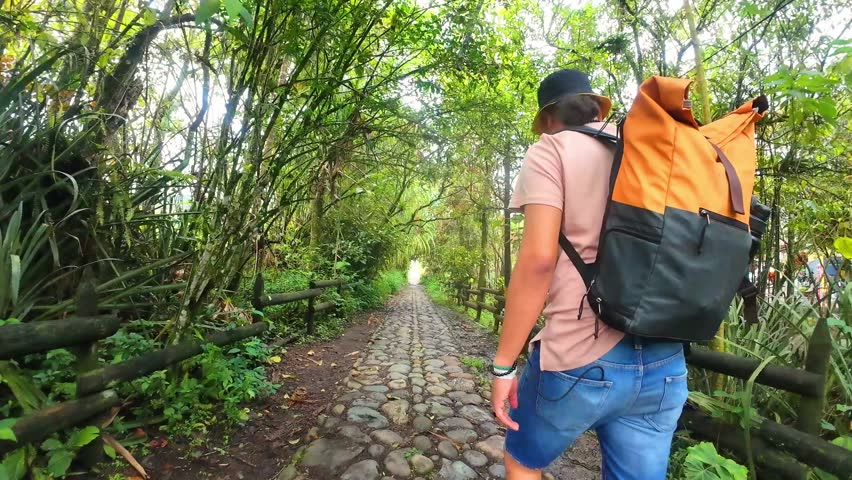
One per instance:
(575, 110)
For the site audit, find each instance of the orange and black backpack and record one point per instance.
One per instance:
(675, 243)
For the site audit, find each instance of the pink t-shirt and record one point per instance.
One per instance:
(569, 171)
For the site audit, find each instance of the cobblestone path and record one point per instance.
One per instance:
(410, 408)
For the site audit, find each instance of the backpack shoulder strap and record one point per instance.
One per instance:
(586, 270)
(605, 137)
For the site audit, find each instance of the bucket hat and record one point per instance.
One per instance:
(561, 84)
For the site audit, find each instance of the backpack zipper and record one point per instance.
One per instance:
(600, 308)
(708, 215)
(722, 219)
(583, 300)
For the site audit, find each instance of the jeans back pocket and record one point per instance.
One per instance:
(675, 393)
(570, 403)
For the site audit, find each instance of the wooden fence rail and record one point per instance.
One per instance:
(260, 300)
(463, 298)
(81, 333)
(780, 451)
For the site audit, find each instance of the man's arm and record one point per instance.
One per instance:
(531, 279)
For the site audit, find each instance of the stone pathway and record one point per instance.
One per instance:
(409, 409)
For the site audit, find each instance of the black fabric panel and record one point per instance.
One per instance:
(625, 262)
(690, 289)
(639, 220)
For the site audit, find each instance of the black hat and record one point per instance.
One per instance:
(561, 84)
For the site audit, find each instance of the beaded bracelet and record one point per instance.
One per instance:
(504, 372)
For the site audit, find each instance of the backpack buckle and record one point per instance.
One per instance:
(747, 289)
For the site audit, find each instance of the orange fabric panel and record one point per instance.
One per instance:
(668, 159)
(649, 131)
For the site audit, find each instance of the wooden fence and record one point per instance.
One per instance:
(780, 451)
(463, 298)
(261, 300)
(95, 383)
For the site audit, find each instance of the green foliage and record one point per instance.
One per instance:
(60, 455)
(15, 465)
(844, 246)
(213, 389)
(786, 323)
(476, 363)
(702, 462)
(436, 290)
(372, 294)
(6, 432)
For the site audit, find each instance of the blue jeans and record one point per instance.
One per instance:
(632, 397)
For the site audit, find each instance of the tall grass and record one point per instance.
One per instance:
(787, 321)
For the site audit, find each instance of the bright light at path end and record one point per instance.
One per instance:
(414, 272)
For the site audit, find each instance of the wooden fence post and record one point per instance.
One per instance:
(817, 361)
(87, 359)
(501, 308)
(257, 292)
(310, 314)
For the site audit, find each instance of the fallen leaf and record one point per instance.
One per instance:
(159, 443)
(333, 365)
(275, 359)
(294, 441)
(287, 375)
(310, 352)
(356, 352)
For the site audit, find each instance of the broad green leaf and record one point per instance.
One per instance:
(844, 441)
(6, 432)
(51, 444)
(25, 392)
(233, 8)
(844, 246)
(110, 452)
(247, 17)
(83, 437)
(59, 462)
(206, 10)
(826, 108)
(16, 464)
(703, 462)
(15, 285)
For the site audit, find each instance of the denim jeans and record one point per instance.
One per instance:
(632, 397)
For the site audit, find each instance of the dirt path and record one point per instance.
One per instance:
(411, 409)
(310, 376)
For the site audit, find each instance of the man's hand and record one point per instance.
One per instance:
(504, 391)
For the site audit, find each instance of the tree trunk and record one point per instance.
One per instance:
(790, 264)
(507, 221)
(507, 235)
(483, 256)
(317, 207)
